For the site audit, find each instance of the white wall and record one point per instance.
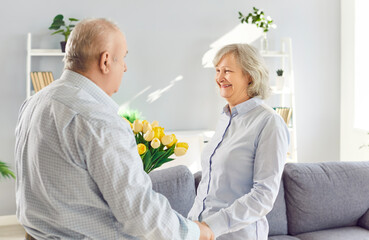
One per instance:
(168, 38)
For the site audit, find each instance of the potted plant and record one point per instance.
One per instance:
(5, 172)
(60, 27)
(280, 79)
(258, 18)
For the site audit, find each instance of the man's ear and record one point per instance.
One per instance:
(105, 62)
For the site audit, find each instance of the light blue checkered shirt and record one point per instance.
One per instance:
(242, 167)
(79, 175)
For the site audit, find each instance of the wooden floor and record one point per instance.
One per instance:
(10, 229)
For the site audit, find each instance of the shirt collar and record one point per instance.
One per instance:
(243, 107)
(90, 87)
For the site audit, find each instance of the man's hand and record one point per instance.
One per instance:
(205, 231)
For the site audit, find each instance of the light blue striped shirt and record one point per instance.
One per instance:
(79, 175)
(242, 167)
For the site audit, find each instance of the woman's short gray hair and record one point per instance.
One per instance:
(252, 63)
(86, 43)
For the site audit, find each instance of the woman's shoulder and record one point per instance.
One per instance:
(268, 115)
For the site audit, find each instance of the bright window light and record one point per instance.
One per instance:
(361, 65)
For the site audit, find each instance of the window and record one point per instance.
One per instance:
(361, 66)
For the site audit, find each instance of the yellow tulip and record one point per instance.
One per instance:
(180, 151)
(182, 144)
(146, 126)
(155, 124)
(141, 148)
(137, 126)
(155, 143)
(174, 140)
(159, 132)
(166, 139)
(149, 135)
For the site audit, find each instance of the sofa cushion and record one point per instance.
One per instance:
(325, 195)
(277, 218)
(346, 233)
(283, 237)
(177, 185)
(364, 220)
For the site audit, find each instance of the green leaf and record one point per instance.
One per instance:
(165, 161)
(58, 17)
(147, 161)
(57, 24)
(5, 171)
(73, 19)
(60, 31)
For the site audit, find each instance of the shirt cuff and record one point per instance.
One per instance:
(194, 230)
(218, 223)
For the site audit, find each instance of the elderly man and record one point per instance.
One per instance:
(79, 175)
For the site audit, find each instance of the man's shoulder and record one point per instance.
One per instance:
(78, 102)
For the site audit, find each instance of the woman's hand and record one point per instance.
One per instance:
(205, 231)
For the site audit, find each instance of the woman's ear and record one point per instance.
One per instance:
(105, 62)
(249, 78)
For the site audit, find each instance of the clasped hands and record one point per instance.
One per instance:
(205, 231)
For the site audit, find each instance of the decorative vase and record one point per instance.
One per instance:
(62, 45)
(279, 82)
(264, 42)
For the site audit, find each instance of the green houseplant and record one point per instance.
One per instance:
(60, 26)
(280, 79)
(258, 18)
(280, 72)
(5, 172)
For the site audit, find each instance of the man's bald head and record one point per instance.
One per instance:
(87, 41)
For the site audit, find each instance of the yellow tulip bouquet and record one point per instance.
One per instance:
(154, 147)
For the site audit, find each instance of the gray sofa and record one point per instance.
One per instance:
(316, 201)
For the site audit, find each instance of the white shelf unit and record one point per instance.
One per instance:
(37, 53)
(288, 91)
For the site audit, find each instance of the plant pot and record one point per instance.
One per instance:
(279, 83)
(62, 45)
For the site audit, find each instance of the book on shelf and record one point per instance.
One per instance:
(41, 80)
(285, 112)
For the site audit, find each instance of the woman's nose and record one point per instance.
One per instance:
(220, 77)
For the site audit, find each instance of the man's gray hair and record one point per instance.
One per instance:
(87, 42)
(252, 63)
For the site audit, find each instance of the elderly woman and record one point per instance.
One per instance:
(243, 163)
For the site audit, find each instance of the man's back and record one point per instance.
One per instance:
(79, 174)
(53, 179)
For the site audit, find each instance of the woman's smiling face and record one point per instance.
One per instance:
(232, 82)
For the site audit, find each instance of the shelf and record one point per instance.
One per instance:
(280, 91)
(283, 97)
(273, 54)
(46, 52)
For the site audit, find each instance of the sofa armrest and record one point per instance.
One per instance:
(177, 185)
(364, 220)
